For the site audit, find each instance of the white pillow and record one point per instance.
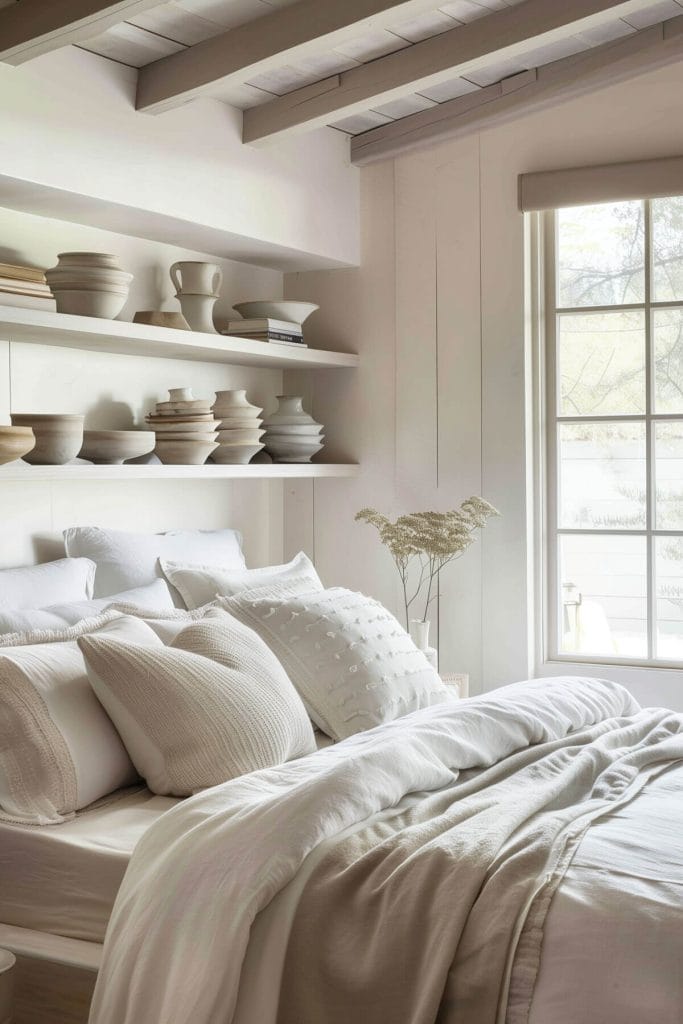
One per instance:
(127, 560)
(58, 749)
(57, 616)
(349, 658)
(199, 584)
(213, 706)
(35, 586)
(166, 624)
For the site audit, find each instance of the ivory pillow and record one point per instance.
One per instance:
(349, 658)
(35, 586)
(213, 706)
(166, 624)
(127, 560)
(57, 616)
(199, 584)
(58, 749)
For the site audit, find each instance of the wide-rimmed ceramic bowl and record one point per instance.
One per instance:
(15, 442)
(184, 453)
(276, 309)
(59, 438)
(114, 447)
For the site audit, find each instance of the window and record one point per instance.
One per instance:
(614, 326)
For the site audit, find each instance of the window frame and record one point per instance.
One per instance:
(545, 312)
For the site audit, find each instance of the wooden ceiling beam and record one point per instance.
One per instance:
(526, 93)
(501, 35)
(28, 29)
(240, 53)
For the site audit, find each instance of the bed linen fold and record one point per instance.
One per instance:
(444, 893)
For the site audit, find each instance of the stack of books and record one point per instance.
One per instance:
(25, 287)
(279, 332)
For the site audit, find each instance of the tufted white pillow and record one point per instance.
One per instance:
(352, 662)
(199, 584)
(214, 705)
(35, 586)
(126, 560)
(59, 751)
(56, 616)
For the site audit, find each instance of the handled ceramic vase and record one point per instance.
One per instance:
(197, 285)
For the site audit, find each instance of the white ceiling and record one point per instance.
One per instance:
(172, 27)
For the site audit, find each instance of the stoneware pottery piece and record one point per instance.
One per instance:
(247, 436)
(89, 284)
(59, 438)
(284, 451)
(277, 309)
(161, 318)
(235, 454)
(290, 412)
(197, 286)
(182, 435)
(170, 424)
(239, 423)
(114, 447)
(234, 403)
(15, 443)
(184, 453)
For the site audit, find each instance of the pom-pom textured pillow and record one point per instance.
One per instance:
(36, 586)
(127, 560)
(214, 705)
(59, 751)
(199, 584)
(352, 662)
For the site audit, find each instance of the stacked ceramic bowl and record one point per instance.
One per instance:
(291, 434)
(89, 284)
(239, 433)
(185, 429)
(15, 443)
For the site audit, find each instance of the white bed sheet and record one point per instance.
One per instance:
(63, 879)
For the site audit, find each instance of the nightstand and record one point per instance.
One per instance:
(7, 962)
(460, 681)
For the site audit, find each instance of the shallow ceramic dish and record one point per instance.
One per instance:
(15, 442)
(277, 309)
(59, 438)
(235, 454)
(114, 447)
(184, 453)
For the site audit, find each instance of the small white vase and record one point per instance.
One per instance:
(419, 633)
(192, 277)
(198, 311)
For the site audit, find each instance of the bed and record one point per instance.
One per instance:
(412, 874)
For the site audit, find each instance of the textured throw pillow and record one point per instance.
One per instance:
(58, 749)
(199, 584)
(166, 624)
(57, 616)
(127, 560)
(213, 706)
(35, 586)
(349, 658)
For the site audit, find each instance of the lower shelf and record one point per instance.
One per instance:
(258, 471)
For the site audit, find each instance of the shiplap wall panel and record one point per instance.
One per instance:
(459, 379)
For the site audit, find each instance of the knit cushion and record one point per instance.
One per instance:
(348, 657)
(199, 584)
(58, 749)
(213, 706)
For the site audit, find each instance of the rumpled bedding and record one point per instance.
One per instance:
(430, 850)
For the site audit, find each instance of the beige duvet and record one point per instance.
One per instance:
(436, 844)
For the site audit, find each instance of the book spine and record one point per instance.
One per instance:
(294, 339)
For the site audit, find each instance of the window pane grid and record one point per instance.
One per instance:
(615, 444)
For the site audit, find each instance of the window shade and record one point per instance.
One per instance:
(581, 186)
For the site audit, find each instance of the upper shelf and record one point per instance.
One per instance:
(92, 334)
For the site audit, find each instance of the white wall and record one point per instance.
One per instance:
(439, 408)
(115, 391)
(68, 123)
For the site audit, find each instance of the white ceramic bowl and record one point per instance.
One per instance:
(15, 443)
(235, 454)
(184, 453)
(277, 309)
(114, 447)
(59, 438)
(105, 305)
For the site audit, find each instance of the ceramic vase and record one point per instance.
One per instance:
(419, 633)
(291, 434)
(89, 284)
(239, 436)
(197, 286)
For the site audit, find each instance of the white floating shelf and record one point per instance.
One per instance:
(91, 334)
(257, 471)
